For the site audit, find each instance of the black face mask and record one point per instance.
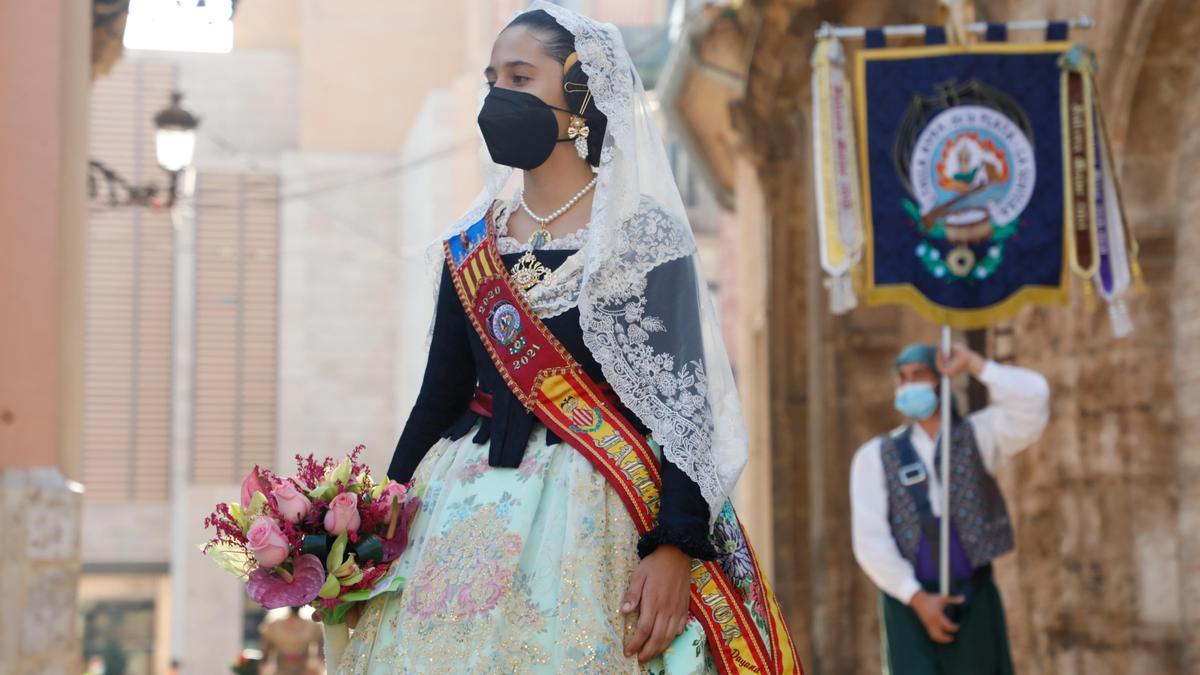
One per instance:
(520, 129)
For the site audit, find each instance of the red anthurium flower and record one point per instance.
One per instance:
(273, 590)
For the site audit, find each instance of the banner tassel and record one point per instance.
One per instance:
(1118, 315)
(842, 298)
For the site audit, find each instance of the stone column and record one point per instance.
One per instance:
(44, 64)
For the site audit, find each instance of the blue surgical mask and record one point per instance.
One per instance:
(916, 400)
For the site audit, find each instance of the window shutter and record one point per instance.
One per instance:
(237, 233)
(127, 299)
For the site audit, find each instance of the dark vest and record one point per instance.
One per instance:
(977, 508)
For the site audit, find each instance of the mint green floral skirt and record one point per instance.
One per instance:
(512, 571)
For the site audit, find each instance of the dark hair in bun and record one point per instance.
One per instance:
(558, 43)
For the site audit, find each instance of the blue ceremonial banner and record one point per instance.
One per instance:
(962, 160)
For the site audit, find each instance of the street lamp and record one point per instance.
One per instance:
(175, 147)
(176, 138)
(175, 142)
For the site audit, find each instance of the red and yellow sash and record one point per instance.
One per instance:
(554, 387)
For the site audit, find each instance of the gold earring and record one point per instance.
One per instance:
(578, 131)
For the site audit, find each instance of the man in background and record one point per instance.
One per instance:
(895, 496)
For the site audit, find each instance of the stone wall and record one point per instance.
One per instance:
(1099, 582)
(1184, 299)
(39, 523)
(1106, 508)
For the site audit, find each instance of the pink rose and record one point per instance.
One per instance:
(343, 514)
(293, 505)
(266, 541)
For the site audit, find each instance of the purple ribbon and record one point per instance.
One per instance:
(1106, 271)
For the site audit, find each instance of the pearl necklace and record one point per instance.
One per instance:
(542, 236)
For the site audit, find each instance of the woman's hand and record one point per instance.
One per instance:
(660, 591)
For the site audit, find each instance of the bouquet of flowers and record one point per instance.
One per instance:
(322, 537)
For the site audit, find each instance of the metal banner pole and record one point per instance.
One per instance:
(944, 549)
(917, 30)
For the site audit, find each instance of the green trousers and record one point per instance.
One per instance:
(980, 647)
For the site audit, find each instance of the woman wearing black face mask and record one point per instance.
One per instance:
(538, 96)
(577, 432)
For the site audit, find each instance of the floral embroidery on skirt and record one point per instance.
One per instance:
(512, 571)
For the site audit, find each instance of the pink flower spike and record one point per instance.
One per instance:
(273, 591)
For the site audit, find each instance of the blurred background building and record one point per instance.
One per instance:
(272, 298)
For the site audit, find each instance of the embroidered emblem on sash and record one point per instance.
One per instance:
(504, 323)
(586, 420)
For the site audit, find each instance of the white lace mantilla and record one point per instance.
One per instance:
(644, 307)
(655, 366)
